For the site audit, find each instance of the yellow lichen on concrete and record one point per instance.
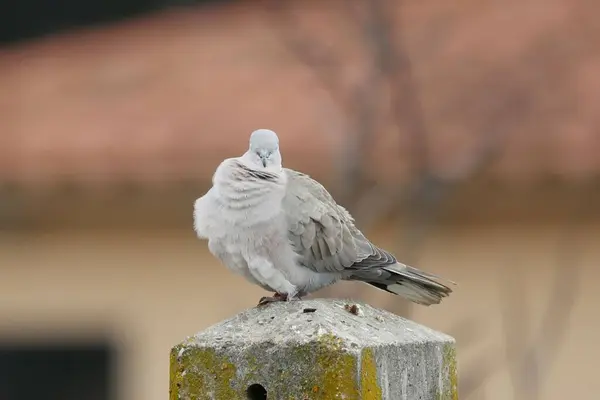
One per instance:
(449, 363)
(201, 374)
(175, 375)
(369, 387)
(339, 369)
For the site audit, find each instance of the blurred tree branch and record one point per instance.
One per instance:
(389, 67)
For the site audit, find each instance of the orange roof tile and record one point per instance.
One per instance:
(172, 94)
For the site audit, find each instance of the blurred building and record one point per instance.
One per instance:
(108, 133)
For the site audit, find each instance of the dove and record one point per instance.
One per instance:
(282, 230)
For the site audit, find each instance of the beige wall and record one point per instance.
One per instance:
(150, 289)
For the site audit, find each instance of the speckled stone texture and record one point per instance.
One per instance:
(315, 349)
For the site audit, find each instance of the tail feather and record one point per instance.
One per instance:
(425, 274)
(413, 284)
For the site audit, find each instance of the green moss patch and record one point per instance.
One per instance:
(322, 369)
(201, 374)
(450, 367)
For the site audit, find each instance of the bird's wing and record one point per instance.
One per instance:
(322, 232)
(203, 209)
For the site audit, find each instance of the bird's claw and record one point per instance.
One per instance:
(272, 299)
(276, 298)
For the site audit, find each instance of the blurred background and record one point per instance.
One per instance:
(463, 135)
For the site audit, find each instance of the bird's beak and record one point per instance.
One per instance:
(263, 158)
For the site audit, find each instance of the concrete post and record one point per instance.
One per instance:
(315, 349)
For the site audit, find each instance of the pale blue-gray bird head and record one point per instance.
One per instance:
(264, 149)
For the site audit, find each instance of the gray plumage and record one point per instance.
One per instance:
(282, 230)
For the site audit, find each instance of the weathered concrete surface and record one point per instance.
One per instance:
(296, 353)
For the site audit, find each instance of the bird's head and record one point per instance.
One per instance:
(263, 152)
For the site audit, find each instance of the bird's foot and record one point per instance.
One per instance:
(276, 298)
(272, 299)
